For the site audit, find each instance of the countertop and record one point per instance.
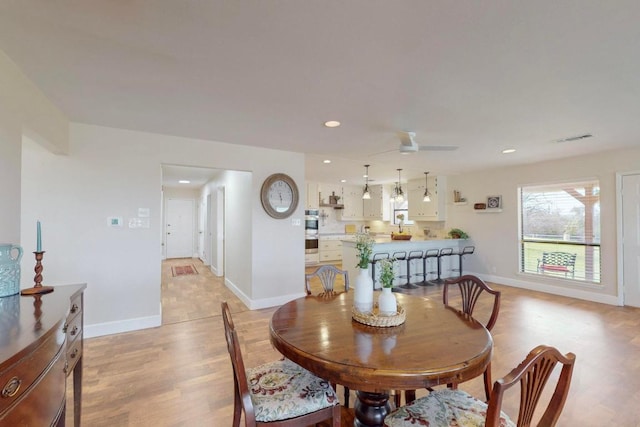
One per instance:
(414, 239)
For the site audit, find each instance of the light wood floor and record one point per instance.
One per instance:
(179, 374)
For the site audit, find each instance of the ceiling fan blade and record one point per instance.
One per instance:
(437, 147)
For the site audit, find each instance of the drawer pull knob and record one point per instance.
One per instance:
(64, 328)
(66, 367)
(12, 387)
(74, 308)
(74, 330)
(74, 353)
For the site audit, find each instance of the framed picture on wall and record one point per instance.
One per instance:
(494, 202)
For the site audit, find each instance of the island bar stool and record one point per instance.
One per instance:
(443, 253)
(412, 256)
(376, 257)
(398, 256)
(467, 250)
(429, 253)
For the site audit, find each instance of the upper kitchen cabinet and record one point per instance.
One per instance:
(377, 207)
(312, 196)
(353, 206)
(427, 211)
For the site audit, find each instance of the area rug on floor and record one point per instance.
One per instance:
(183, 270)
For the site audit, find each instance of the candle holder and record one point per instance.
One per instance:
(38, 288)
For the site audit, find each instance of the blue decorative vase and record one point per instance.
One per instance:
(10, 256)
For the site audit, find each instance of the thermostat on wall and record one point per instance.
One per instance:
(114, 221)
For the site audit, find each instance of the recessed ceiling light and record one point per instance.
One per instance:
(326, 161)
(332, 123)
(343, 180)
(184, 181)
(508, 150)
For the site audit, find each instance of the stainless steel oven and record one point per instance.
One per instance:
(311, 244)
(311, 222)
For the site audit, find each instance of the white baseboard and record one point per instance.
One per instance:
(551, 289)
(119, 326)
(262, 303)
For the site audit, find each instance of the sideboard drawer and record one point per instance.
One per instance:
(43, 400)
(16, 380)
(75, 307)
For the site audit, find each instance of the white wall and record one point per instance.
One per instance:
(113, 172)
(496, 234)
(23, 110)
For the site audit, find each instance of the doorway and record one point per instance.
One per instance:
(629, 204)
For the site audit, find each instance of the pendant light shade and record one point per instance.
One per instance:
(427, 196)
(365, 193)
(399, 194)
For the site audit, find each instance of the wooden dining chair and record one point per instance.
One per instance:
(327, 275)
(471, 287)
(447, 407)
(280, 393)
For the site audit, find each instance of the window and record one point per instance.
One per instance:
(400, 208)
(565, 219)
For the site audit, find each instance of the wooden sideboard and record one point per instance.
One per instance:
(40, 344)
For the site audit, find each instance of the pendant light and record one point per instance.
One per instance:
(366, 194)
(398, 191)
(427, 196)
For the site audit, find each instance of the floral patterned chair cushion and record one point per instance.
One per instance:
(444, 408)
(282, 390)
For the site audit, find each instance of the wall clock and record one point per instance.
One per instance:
(494, 202)
(279, 196)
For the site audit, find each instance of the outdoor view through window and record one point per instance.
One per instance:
(560, 230)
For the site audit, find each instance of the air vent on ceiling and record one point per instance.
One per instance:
(574, 138)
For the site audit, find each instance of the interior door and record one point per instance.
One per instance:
(179, 228)
(631, 239)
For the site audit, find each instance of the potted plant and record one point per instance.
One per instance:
(363, 297)
(364, 246)
(456, 233)
(400, 218)
(387, 304)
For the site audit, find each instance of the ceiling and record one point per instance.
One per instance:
(483, 76)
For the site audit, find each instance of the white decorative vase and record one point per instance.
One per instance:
(363, 298)
(387, 304)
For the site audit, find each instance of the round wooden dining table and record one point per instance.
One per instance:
(435, 345)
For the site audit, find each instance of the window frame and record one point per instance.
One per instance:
(588, 268)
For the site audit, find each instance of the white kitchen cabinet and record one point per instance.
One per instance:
(353, 206)
(434, 210)
(312, 195)
(330, 248)
(377, 207)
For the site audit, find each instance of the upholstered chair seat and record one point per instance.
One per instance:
(444, 408)
(281, 390)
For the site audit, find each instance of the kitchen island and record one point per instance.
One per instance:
(386, 245)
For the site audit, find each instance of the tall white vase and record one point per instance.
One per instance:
(387, 303)
(363, 298)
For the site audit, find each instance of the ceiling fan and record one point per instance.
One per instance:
(408, 144)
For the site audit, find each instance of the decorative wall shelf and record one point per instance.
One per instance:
(460, 203)
(497, 210)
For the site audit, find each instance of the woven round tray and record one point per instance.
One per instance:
(374, 318)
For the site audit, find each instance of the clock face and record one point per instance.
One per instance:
(279, 196)
(493, 202)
